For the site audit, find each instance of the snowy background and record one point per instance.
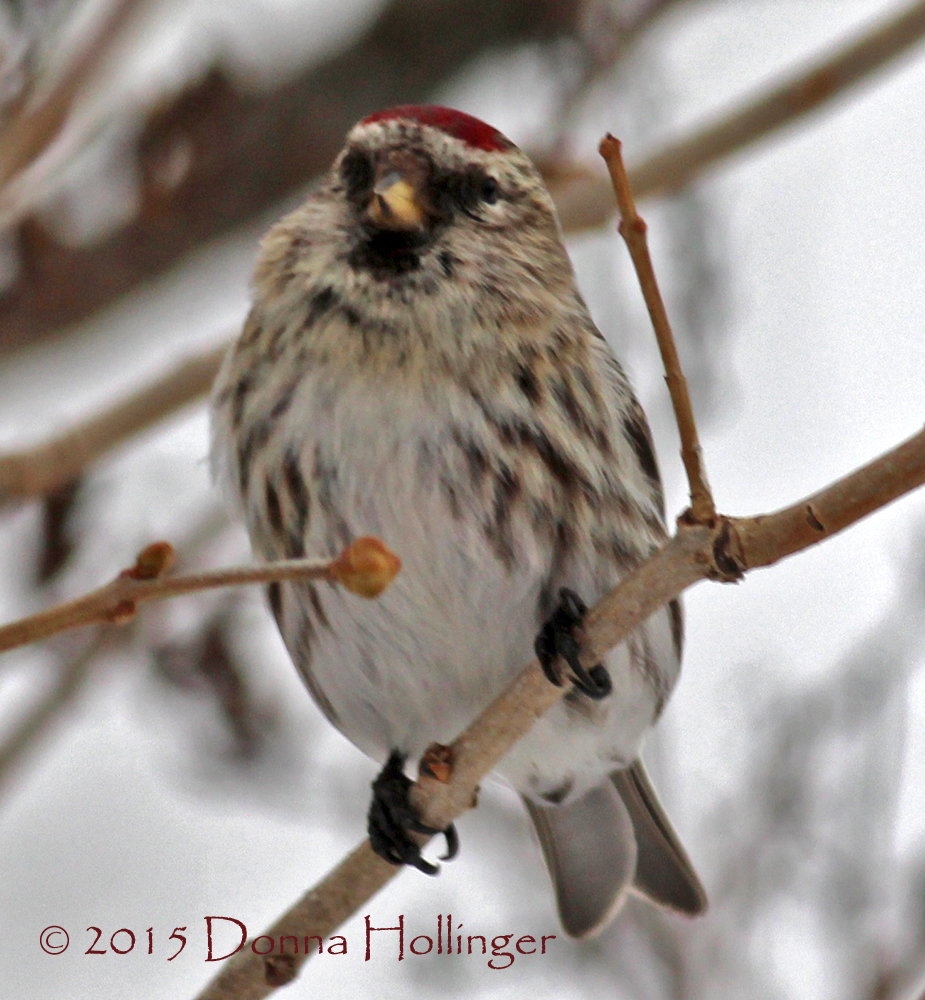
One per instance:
(792, 756)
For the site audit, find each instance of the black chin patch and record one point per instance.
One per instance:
(386, 253)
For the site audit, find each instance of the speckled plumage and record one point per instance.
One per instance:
(446, 390)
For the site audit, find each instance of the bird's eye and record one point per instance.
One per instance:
(466, 191)
(357, 172)
(489, 190)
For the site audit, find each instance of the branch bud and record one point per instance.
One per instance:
(366, 567)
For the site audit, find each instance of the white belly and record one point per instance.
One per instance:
(417, 664)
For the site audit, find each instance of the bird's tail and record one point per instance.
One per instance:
(616, 838)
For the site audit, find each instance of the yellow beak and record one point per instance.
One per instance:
(396, 205)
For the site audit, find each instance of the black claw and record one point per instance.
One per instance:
(555, 639)
(600, 685)
(391, 817)
(452, 843)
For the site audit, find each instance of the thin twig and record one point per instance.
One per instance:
(588, 204)
(722, 551)
(365, 567)
(38, 471)
(73, 673)
(633, 231)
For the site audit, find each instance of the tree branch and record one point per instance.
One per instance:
(74, 670)
(365, 567)
(633, 231)
(723, 551)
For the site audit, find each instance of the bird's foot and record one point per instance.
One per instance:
(556, 639)
(391, 816)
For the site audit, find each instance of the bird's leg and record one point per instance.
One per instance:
(391, 816)
(556, 639)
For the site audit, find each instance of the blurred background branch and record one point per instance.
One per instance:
(216, 154)
(56, 464)
(36, 117)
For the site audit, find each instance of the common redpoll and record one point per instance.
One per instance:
(419, 365)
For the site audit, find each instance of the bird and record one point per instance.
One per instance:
(418, 364)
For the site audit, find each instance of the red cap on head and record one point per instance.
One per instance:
(458, 124)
